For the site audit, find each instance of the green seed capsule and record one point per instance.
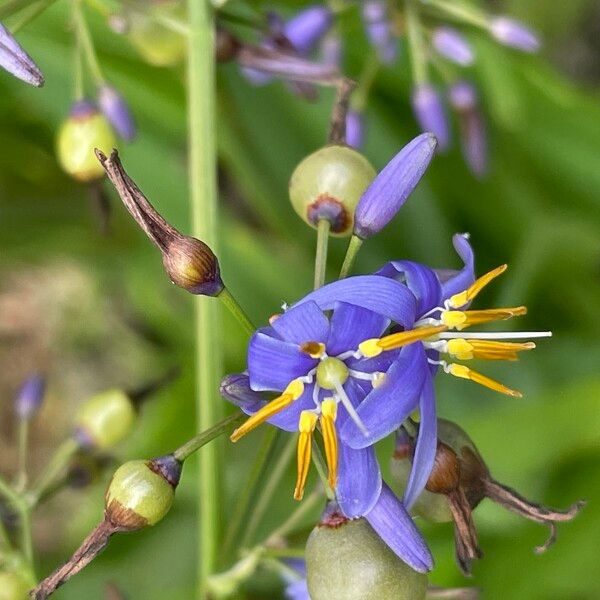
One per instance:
(14, 586)
(105, 419)
(138, 495)
(328, 184)
(155, 43)
(85, 129)
(349, 561)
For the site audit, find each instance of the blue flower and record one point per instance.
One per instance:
(16, 61)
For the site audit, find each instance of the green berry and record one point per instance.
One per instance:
(349, 561)
(85, 129)
(105, 419)
(138, 496)
(328, 184)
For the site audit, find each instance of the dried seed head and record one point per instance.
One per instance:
(445, 475)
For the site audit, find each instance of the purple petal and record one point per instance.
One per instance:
(462, 96)
(272, 363)
(331, 50)
(30, 396)
(430, 114)
(515, 34)
(116, 110)
(351, 325)
(453, 46)
(289, 417)
(426, 445)
(420, 280)
(16, 61)
(354, 128)
(297, 590)
(395, 527)
(236, 389)
(388, 405)
(379, 29)
(454, 281)
(359, 477)
(394, 184)
(302, 323)
(379, 294)
(307, 28)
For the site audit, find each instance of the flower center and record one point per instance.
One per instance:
(331, 373)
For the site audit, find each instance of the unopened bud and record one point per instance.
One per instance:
(30, 397)
(347, 560)
(430, 113)
(116, 110)
(515, 34)
(85, 129)
(16, 61)
(328, 184)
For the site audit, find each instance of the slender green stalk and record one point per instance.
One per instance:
(319, 463)
(57, 463)
(87, 43)
(366, 79)
(240, 512)
(201, 90)
(23, 435)
(321, 255)
(418, 54)
(463, 13)
(23, 511)
(4, 539)
(78, 57)
(236, 310)
(13, 6)
(30, 13)
(353, 248)
(210, 434)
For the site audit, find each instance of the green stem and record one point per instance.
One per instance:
(319, 463)
(183, 452)
(87, 44)
(23, 511)
(321, 255)
(30, 13)
(351, 252)
(365, 82)
(78, 58)
(23, 434)
(57, 464)
(466, 14)
(201, 90)
(418, 55)
(236, 310)
(13, 6)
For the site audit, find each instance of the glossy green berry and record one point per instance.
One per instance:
(155, 43)
(14, 586)
(105, 419)
(85, 129)
(328, 184)
(138, 495)
(349, 561)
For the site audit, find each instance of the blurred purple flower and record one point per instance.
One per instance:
(308, 27)
(30, 397)
(430, 113)
(16, 61)
(515, 34)
(355, 127)
(452, 45)
(379, 29)
(117, 111)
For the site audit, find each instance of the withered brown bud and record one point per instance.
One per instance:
(445, 474)
(227, 45)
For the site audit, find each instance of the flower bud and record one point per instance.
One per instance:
(379, 29)
(116, 110)
(14, 585)
(328, 184)
(430, 113)
(308, 27)
(155, 43)
(141, 492)
(355, 128)
(452, 45)
(347, 560)
(515, 34)
(30, 397)
(16, 61)
(85, 129)
(104, 420)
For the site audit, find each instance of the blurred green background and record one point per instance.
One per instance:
(95, 311)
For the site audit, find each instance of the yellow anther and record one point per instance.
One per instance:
(466, 373)
(328, 416)
(463, 298)
(308, 420)
(403, 338)
(457, 319)
(453, 318)
(370, 348)
(378, 379)
(313, 349)
(460, 348)
(292, 392)
(485, 349)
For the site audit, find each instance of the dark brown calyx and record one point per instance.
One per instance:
(330, 209)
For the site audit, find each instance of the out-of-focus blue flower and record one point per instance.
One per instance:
(379, 29)
(16, 61)
(430, 113)
(392, 187)
(515, 34)
(463, 99)
(296, 587)
(116, 110)
(452, 45)
(355, 128)
(308, 27)
(30, 397)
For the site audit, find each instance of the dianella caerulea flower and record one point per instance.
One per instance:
(16, 61)
(515, 34)
(117, 111)
(430, 113)
(379, 29)
(30, 397)
(452, 45)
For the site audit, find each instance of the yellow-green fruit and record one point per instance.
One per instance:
(137, 496)
(157, 44)
(14, 586)
(351, 562)
(105, 419)
(85, 129)
(328, 184)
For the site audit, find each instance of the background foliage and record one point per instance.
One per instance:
(97, 311)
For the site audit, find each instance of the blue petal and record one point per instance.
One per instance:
(351, 325)
(395, 527)
(272, 363)
(236, 389)
(420, 280)
(359, 477)
(289, 417)
(379, 294)
(453, 281)
(379, 363)
(387, 406)
(426, 445)
(303, 323)
(297, 590)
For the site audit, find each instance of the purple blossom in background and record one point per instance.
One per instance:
(379, 29)
(515, 34)
(430, 113)
(30, 397)
(116, 110)
(331, 50)
(452, 45)
(308, 28)
(463, 99)
(16, 61)
(392, 187)
(355, 127)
